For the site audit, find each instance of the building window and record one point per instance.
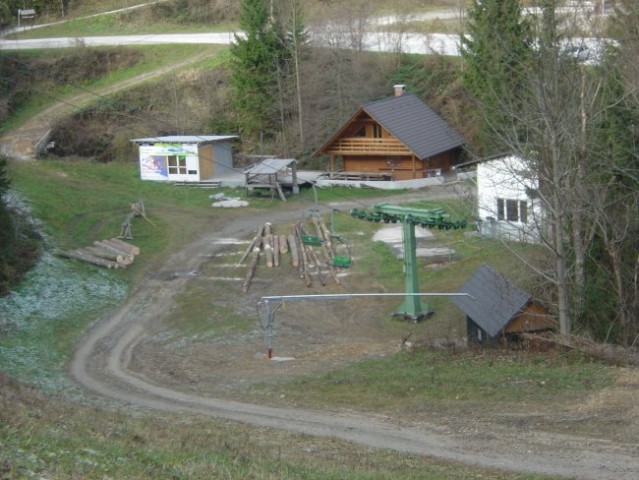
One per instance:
(500, 209)
(377, 131)
(512, 210)
(523, 212)
(177, 164)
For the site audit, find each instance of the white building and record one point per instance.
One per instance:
(185, 158)
(507, 201)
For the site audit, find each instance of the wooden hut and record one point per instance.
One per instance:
(497, 311)
(273, 174)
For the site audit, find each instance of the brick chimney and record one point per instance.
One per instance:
(399, 89)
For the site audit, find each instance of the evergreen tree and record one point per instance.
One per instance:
(495, 52)
(254, 69)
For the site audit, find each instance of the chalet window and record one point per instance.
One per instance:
(512, 210)
(177, 164)
(377, 131)
(500, 209)
(523, 212)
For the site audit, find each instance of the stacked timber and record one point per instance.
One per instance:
(110, 253)
(314, 262)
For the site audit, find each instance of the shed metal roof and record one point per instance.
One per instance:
(496, 300)
(270, 166)
(185, 139)
(415, 124)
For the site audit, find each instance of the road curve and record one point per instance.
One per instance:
(102, 357)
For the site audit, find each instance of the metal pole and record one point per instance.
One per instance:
(270, 314)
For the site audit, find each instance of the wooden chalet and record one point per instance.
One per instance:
(396, 138)
(497, 311)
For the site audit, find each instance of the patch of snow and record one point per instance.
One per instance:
(233, 203)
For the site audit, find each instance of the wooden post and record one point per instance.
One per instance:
(268, 249)
(251, 245)
(255, 257)
(276, 250)
(295, 254)
(283, 244)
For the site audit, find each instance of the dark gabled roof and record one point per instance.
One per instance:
(414, 124)
(495, 300)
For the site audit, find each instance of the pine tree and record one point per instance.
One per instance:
(254, 67)
(495, 52)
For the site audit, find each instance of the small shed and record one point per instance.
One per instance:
(497, 311)
(185, 158)
(274, 174)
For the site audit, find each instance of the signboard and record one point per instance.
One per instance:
(164, 161)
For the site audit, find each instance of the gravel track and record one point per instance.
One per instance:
(101, 364)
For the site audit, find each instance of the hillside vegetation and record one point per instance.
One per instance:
(82, 190)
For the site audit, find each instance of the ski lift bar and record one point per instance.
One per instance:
(340, 296)
(281, 299)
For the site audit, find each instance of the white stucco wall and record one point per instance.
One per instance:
(507, 178)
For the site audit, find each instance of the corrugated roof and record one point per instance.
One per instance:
(415, 124)
(270, 166)
(185, 139)
(496, 300)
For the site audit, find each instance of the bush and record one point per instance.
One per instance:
(19, 240)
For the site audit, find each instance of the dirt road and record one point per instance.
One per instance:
(105, 358)
(108, 357)
(26, 141)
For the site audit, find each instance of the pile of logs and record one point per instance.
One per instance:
(113, 253)
(312, 264)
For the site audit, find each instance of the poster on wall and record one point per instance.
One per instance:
(154, 159)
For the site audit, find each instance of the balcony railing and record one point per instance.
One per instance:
(368, 146)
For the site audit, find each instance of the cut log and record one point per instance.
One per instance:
(255, 257)
(276, 250)
(125, 246)
(109, 255)
(121, 248)
(326, 234)
(295, 254)
(251, 245)
(107, 246)
(86, 257)
(304, 260)
(268, 248)
(283, 245)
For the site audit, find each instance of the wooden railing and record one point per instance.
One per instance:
(368, 146)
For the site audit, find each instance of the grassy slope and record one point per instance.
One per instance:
(40, 436)
(79, 202)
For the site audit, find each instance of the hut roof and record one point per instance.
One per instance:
(270, 166)
(184, 139)
(495, 302)
(414, 124)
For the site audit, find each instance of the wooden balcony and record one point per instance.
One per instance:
(368, 146)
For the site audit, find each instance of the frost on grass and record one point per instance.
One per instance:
(57, 298)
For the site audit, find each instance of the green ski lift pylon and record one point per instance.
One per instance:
(411, 308)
